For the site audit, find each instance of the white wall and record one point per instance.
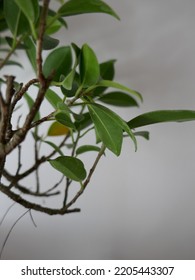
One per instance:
(141, 205)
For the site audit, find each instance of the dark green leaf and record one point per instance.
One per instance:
(112, 84)
(84, 122)
(144, 134)
(71, 167)
(15, 19)
(59, 62)
(89, 67)
(75, 7)
(10, 42)
(118, 98)
(75, 86)
(63, 118)
(162, 116)
(87, 148)
(49, 42)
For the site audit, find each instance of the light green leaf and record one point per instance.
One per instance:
(59, 62)
(75, 7)
(68, 81)
(87, 148)
(162, 116)
(71, 167)
(52, 26)
(112, 84)
(118, 98)
(107, 128)
(89, 67)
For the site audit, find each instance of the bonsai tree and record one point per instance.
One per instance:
(77, 87)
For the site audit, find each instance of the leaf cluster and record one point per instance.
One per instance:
(81, 91)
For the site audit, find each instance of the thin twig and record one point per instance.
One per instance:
(100, 154)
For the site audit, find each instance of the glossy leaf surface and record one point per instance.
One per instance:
(112, 84)
(118, 98)
(75, 7)
(71, 167)
(107, 127)
(162, 116)
(59, 62)
(89, 67)
(87, 148)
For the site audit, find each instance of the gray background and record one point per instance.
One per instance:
(140, 205)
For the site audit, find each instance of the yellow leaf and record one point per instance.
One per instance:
(57, 129)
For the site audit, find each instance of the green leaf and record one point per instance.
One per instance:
(71, 167)
(30, 103)
(15, 19)
(68, 81)
(118, 98)
(31, 52)
(63, 118)
(112, 84)
(30, 8)
(84, 122)
(12, 63)
(144, 134)
(49, 42)
(59, 62)
(75, 7)
(53, 98)
(10, 41)
(52, 26)
(114, 118)
(58, 129)
(89, 67)
(107, 127)
(56, 148)
(162, 116)
(107, 72)
(87, 148)
(73, 90)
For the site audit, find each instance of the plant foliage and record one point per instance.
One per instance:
(76, 87)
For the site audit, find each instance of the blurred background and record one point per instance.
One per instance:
(142, 204)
